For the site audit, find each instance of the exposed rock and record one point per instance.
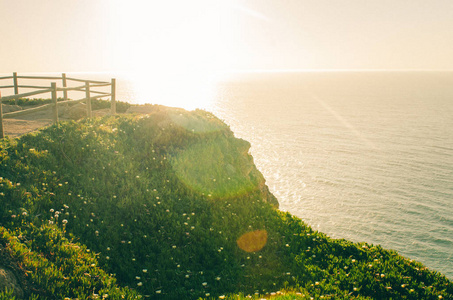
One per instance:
(73, 112)
(9, 282)
(101, 112)
(10, 108)
(267, 195)
(220, 167)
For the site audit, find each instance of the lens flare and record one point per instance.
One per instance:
(253, 241)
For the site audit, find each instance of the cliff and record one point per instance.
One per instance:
(169, 205)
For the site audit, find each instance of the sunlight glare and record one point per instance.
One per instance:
(185, 91)
(169, 36)
(345, 123)
(172, 49)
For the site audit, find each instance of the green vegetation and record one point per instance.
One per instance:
(30, 101)
(121, 107)
(130, 207)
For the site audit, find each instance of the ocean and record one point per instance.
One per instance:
(361, 156)
(364, 156)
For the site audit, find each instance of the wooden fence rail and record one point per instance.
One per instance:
(87, 87)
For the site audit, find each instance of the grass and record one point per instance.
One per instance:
(153, 207)
(121, 106)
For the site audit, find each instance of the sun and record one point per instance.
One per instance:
(174, 49)
(170, 36)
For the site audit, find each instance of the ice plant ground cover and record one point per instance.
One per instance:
(170, 206)
(96, 103)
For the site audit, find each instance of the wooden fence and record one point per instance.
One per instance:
(87, 87)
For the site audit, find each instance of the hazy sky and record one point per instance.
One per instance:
(207, 35)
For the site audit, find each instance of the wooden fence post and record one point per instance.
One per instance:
(65, 92)
(16, 86)
(54, 101)
(113, 97)
(87, 96)
(1, 117)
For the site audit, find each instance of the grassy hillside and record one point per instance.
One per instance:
(170, 206)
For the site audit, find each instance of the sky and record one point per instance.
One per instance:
(224, 35)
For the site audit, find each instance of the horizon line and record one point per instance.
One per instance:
(308, 70)
(334, 70)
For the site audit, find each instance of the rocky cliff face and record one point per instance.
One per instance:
(253, 174)
(216, 163)
(267, 195)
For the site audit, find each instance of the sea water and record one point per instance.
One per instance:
(365, 156)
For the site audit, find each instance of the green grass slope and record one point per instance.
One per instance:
(170, 206)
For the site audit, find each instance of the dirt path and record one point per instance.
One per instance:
(28, 123)
(35, 121)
